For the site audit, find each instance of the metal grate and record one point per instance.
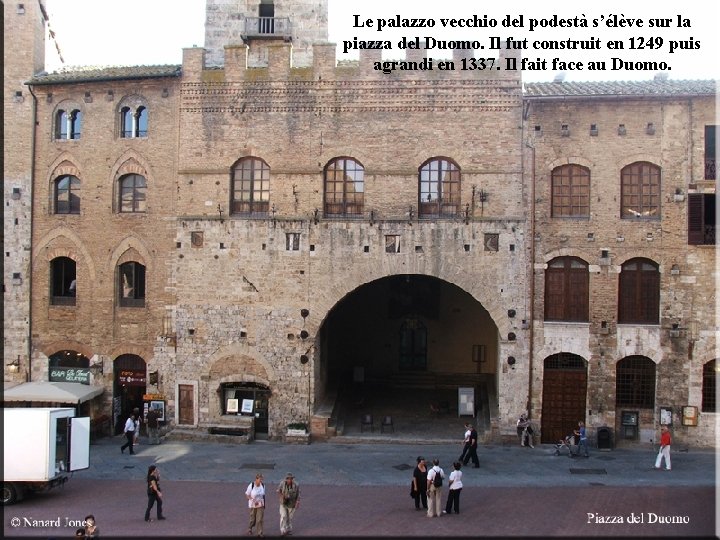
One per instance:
(635, 382)
(588, 471)
(403, 467)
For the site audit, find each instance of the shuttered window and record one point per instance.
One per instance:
(639, 301)
(701, 219)
(711, 372)
(567, 290)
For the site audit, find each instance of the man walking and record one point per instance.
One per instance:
(664, 449)
(466, 442)
(434, 489)
(129, 434)
(472, 454)
(289, 493)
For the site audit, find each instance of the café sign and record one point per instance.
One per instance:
(129, 377)
(70, 374)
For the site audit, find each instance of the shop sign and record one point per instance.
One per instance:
(151, 397)
(128, 377)
(68, 374)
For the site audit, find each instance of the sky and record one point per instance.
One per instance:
(147, 32)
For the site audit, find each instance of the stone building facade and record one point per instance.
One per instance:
(264, 224)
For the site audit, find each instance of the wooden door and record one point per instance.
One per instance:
(564, 396)
(186, 412)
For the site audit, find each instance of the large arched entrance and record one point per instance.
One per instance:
(564, 395)
(404, 342)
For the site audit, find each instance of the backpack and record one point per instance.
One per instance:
(437, 479)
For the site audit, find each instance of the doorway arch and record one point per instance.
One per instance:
(129, 380)
(564, 395)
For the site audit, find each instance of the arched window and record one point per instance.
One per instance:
(61, 125)
(567, 290)
(639, 291)
(711, 372)
(571, 191)
(250, 186)
(131, 284)
(75, 126)
(63, 282)
(132, 193)
(67, 195)
(635, 382)
(68, 124)
(133, 121)
(126, 122)
(344, 187)
(640, 191)
(142, 122)
(439, 188)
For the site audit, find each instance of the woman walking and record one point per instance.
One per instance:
(154, 492)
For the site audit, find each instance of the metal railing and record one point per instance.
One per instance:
(267, 27)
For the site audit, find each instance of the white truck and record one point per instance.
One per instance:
(42, 447)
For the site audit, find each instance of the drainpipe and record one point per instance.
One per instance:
(532, 281)
(33, 139)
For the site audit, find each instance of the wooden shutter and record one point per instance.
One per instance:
(695, 219)
(554, 294)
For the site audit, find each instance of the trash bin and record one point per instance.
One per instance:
(604, 438)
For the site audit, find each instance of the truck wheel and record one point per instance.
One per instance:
(9, 493)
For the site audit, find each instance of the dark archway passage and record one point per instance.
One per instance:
(407, 335)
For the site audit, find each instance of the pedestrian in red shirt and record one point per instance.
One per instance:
(664, 449)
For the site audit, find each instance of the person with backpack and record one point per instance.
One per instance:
(255, 494)
(434, 489)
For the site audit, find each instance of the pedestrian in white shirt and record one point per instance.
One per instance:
(434, 481)
(255, 494)
(454, 488)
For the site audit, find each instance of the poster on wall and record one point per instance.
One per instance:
(689, 416)
(247, 406)
(159, 407)
(665, 416)
(232, 405)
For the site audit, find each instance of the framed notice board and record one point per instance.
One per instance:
(466, 402)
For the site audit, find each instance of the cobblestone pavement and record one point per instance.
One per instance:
(353, 488)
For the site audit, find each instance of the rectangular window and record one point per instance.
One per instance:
(392, 243)
(701, 219)
(710, 154)
(292, 241)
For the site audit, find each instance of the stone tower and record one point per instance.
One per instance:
(24, 31)
(258, 23)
